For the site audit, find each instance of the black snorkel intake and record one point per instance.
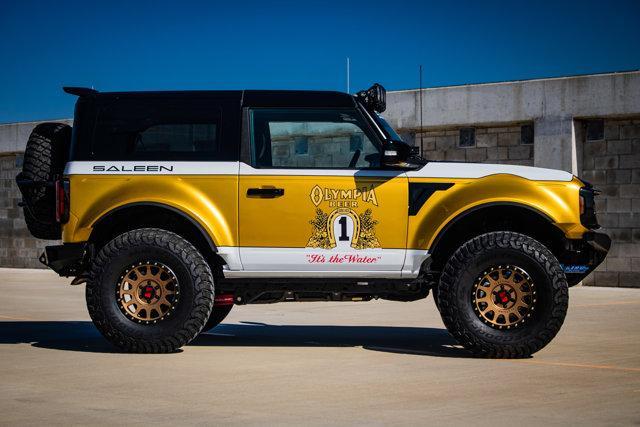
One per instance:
(395, 153)
(374, 98)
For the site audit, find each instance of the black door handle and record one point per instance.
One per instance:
(267, 193)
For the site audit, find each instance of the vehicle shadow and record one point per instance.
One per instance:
(393, 339)
(83, 336)
(59, 335)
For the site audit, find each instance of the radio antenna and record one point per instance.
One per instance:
(421, 124)
(348, 75)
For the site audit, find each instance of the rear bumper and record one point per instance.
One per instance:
(583, 256)
(69, 259)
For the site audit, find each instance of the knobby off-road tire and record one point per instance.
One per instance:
(189, 279)
(434, 293)
(217, 316)
(44, 158)
(548, 295)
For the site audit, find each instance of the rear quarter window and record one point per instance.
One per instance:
(159, 129)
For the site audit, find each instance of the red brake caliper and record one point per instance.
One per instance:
(148, 291)
(503, 296)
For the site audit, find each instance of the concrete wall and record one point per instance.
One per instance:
(551, 104)
(498, 144)
(17, 247)
(612, 165)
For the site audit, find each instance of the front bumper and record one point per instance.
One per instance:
(69, 259)
(583, 256)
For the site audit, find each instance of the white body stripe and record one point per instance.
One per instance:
(479, 170)
(313, 274)
(245, 170)
(431, 170)
(413, 261)
(288, 262)
(231, 256)
(149, 167)
(205, 168)
(308, 259)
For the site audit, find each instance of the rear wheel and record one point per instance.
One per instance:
(149, 291)
(503, 295)
(217, 316)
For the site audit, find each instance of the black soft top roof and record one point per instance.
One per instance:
(246, 98)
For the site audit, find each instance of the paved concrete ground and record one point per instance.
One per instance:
(376, 363)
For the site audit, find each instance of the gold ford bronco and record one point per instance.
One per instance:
(174, 207)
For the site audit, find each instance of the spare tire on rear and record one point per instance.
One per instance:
(44, 159)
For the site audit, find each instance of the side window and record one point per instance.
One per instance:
(177, 138)
(158, 129)
(311, 139)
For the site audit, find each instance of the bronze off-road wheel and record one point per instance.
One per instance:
(149, 291)
(503, 295)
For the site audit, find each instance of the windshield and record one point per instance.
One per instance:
(391, 133)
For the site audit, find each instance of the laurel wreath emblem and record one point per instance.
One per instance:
(322, 232)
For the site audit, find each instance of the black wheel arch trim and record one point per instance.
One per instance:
(474, 209)
(172, 209)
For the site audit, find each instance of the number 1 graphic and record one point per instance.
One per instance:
(343, 229)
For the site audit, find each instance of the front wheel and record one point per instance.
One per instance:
(503, 295)
(149, 291)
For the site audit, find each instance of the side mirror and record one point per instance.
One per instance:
(395, 154)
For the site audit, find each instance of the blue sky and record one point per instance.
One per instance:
(143, 45)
